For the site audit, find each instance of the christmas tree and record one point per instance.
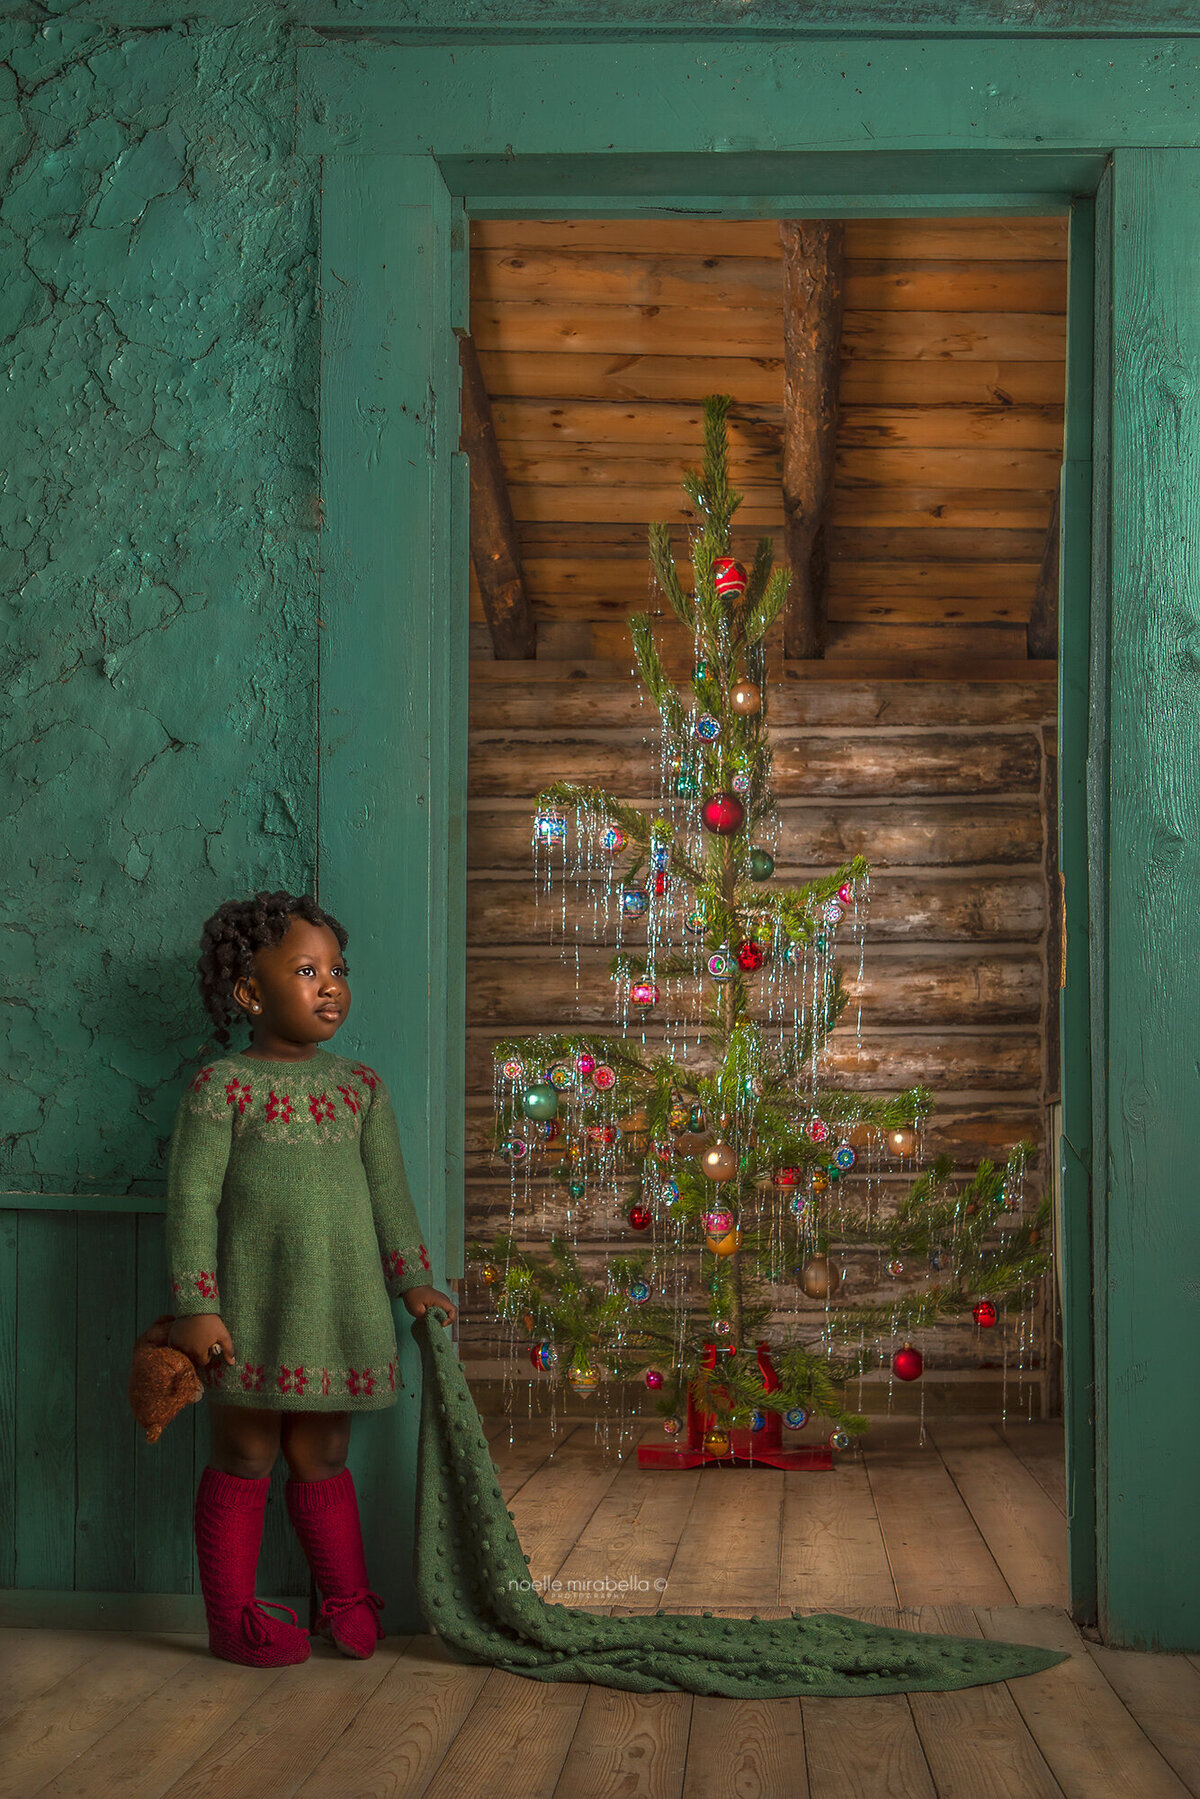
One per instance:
(724, 1159)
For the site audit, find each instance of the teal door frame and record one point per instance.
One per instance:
(760, 128)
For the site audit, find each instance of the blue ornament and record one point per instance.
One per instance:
(708, 728)
(795, 1417)
(844, 1157)
(799, 1201)
(551, 827)
(639, 1292)
(757, 1419)
(635, 902)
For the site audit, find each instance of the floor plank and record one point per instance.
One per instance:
(633, 1744)
(65, 1722)
(153, 1746)
(975, 1739)
(1162, 1694)
(1094, 1747)
(864, 1749)
(554, 1506)
(935, 1549)
(292, 1723)
(746, 1749)
(1025, 1531)
(832, 1552)
(633, 1535)
(1038, 1443)
(396, 1741)
(730, 1552)
(34, 1661)
(514, 1742)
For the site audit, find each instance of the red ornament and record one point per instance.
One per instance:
(729, 578)
(845, 893)
(786, 1177)
(645, 993)
(654, 1377)
(660, 881)
(639, 1218)
(723, 814)
(908, 1363)
(750, 954)
(602, 1133)
(984, 1315)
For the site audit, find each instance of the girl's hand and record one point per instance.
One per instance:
(198, 1335)
(419, 1299)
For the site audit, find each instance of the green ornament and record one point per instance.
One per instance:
(696, 1119)
(700, 672)
(577, 1189)
(540, 1100)
(822, 944)
(762, 865)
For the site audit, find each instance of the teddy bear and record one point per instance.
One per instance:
(162, 1380)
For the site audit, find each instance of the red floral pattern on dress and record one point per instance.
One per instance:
(321, 1106)
(393, 1264)
(237, 1093)
(367, 1075)
(204, 1282)
(279, 1105)
(392, 1376)
(324, 1381)
(205, 1074)
(351, 1383)
(360, 1381)
(252, 1377)
(291, 1380)
(424, 1254)
(351, 1098)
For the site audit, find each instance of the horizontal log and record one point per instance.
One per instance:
(915, 834)
(845, 762)
(926, 908)
(959, 605)
(1016, 237)
(869, 381)
(568, 464)
(983, 1062)
(501, 698)
(555, 326)
(761, 510)
(572, 663)
(929, 646)
(898, 985)
(599, 423)
(965, 1133)
(554, 276)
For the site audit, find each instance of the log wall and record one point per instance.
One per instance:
(942, 786)
(598, 341)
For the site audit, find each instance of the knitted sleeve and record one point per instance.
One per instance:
(403, 1253)
(197, 1156)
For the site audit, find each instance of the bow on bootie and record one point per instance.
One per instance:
(331, 1621)
(256, 1626)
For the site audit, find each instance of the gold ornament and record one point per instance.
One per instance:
(719, 1162)
(716, 1442)
(728, 1245)
(745, 697)
(902, 1141)
(820, 1277)
(820, 1181)
(489, 1273)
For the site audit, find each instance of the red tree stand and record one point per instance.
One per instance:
(747, 1448)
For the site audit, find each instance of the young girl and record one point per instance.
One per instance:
(289, 1225)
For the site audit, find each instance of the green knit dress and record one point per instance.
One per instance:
(289, 1214)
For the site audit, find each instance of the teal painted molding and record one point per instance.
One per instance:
(392, 712)
(1075, 1001)
(585, 99)
(1151, 1595)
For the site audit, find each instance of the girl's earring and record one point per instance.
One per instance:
(256, 1008)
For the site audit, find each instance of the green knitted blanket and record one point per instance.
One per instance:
(474, 1588)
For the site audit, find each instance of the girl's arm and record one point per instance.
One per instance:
(197, 1157)
(401, 1247)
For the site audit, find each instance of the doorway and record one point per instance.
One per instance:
(930, 609)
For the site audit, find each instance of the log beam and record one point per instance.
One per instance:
(494, 548)
(1043, 619)
(813, 310)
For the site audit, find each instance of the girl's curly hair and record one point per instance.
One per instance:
(232, 937)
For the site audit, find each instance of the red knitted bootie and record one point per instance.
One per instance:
(229, 1527)
(325, 1514)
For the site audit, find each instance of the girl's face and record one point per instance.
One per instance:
(301, 987)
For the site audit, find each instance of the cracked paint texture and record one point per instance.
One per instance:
(157, 558)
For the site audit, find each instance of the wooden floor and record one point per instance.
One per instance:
(965, 1535)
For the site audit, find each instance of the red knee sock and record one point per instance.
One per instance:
(229, 1526)
(325, 1516)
